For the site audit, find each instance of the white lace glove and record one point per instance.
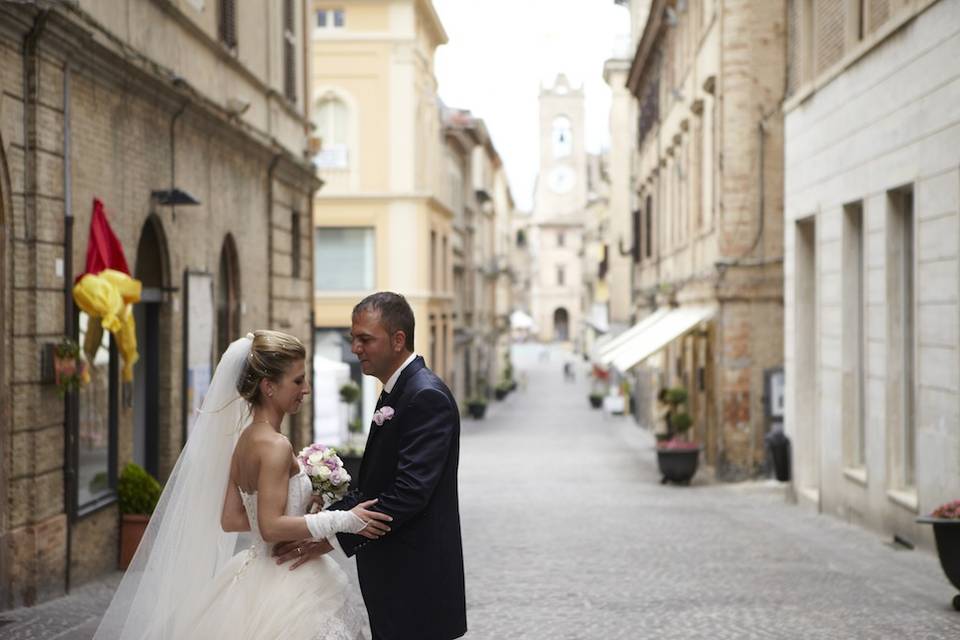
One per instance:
(326, 523)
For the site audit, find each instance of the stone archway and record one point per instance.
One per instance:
(150, 440)
(561, 325)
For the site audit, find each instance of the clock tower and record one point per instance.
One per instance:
(558, 214)
(562, 185)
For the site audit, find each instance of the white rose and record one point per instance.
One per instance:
(323, 472)
(315, 459)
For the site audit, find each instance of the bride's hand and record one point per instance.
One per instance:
(376, 520)
(300, 550)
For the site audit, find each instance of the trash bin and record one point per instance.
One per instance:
(778, 444)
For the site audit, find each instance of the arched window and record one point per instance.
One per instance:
(228, 296)
(332, 118)
(562, 137)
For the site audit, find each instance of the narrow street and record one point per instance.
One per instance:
(569, 535)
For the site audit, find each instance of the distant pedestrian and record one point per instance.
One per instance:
(568, 373)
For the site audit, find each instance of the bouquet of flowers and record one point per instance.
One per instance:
(329, 479)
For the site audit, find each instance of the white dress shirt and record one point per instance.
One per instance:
(388, 386)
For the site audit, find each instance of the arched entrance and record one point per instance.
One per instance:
(228, 296)
(152, 271)
(561, 325)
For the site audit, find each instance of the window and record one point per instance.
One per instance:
(227, 22)
(330, 19)
(295, 239)
(332, 120)
(900, 323)
(562, 137)
(560, 239)
(561, 276)
(854, 334)
(648, 231)
(433, 261)
(443, 263)
(96, 431)
(344, 259)
(289, 52)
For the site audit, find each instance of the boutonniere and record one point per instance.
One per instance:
(383, 414)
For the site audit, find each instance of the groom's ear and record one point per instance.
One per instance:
(399, 340)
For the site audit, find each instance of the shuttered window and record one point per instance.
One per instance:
(289, 52)
(227, 22)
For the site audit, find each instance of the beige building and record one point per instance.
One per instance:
(380, 221)
(871, 249)
(558, 214)
(706, 241)
(479, 195)
(143, 107)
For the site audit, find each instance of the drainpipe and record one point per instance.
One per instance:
(173, 154)
(70, 401)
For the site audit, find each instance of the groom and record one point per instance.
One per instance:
(411, 578)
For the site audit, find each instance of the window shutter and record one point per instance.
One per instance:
(289, 53)
(228, 23)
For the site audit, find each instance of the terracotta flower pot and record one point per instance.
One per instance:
(131, 531)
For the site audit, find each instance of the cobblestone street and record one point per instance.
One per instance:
(568, 534)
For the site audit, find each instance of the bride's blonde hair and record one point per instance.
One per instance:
(271, 354)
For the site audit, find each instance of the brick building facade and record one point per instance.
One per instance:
(205, 98)
(706, 224)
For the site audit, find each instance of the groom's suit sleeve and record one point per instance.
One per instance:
(429, 422)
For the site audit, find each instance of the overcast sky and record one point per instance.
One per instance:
(501, 50)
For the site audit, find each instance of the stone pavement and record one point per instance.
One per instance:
(569, 535)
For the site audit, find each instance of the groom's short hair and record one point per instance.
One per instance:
(395, 313)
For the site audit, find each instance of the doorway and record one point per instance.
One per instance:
(150, 270)
(561, 325)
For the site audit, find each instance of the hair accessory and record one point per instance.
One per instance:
(250, 336)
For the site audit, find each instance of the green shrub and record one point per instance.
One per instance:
(137, 490)
(676, 396)
(681, 422)
(350, 392)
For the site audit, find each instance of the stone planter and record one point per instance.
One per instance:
(947, 534)
(131, 531)
(500, 393)
(677, 465)
(477, 409)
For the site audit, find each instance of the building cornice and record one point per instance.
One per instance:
(651, 34)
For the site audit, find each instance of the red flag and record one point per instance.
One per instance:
(104, 251)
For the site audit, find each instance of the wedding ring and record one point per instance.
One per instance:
(299, 551)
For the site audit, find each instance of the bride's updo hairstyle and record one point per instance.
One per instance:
(271, 354)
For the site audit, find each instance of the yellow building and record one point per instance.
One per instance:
(380, 223)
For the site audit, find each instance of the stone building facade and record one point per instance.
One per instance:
(872, 203)
(709, 77)
(123, 105)
(380, 222)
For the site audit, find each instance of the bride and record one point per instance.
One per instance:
(238, 473)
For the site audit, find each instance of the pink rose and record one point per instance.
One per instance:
(382, 415)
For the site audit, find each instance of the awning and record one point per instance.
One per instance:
(520, 320)
(607, 352)
(658, 334)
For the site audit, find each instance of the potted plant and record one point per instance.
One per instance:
(596, 399)
(477, 407)
(946, 530)
(502, 390)
(137, 494)
(68, 366)
(677, 457)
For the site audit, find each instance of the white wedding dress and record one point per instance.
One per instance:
(254, 598)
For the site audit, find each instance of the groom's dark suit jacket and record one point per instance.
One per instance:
(412, 578)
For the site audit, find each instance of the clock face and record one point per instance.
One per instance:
(561, 179)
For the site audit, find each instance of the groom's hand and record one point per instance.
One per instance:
(300, 550)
